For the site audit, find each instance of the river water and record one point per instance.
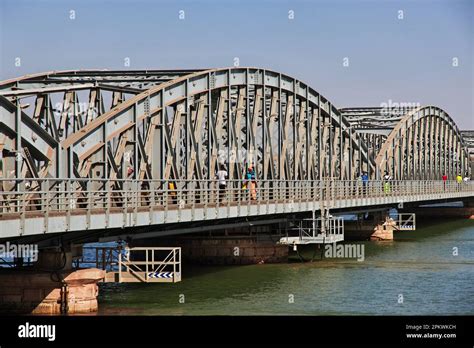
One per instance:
(417, 274)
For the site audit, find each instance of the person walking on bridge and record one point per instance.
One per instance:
(459, 181)
(358, 185)
(251, 183)
(365, 182)
(222, 176)
(445, 178)
(466, 178)
(386, 183)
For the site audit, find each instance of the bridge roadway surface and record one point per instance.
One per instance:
(59, 206)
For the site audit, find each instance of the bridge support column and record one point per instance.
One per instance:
(54, 259)
(225, 249)
(233, 251)
(50, 286)
(384, 230)
(375, 226)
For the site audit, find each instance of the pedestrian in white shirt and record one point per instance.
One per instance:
(222, 176)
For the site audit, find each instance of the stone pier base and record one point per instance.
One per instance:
(234, 251)
(226, 250)
(383, 231)
(380, 227)
(37, 292)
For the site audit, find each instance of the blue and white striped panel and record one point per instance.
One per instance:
(164, 275)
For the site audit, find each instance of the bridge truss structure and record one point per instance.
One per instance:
(412, 142)
(468, 138)
(177, 125)
(173, 125)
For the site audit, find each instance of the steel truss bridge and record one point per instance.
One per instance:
(88, 150)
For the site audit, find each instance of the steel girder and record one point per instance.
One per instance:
(374, 124)
(178, 124)
(57, 104)
(424, 144)
(468, 139)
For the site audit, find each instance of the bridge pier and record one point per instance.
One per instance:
(377, 226)
(229, 247)
(50, 286)
(233, 251)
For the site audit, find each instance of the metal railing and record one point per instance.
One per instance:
(406, 222)
(148, 264)
(144, 264)
(315, 231)
(101, 257)
(23, 198)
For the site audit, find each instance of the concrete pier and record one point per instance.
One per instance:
(232, 251)
(38, 292)
(379, 226)
(50, 286)
(384, 231)
(225, 250)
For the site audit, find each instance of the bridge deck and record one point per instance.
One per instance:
(64, 206)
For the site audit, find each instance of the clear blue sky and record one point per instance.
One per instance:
(408, 60)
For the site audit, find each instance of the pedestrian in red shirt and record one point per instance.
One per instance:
(445, 177)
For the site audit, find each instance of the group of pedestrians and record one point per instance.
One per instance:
(460, 179)
(363, 183)
(364, 179)
(249, 184)
(387, 179)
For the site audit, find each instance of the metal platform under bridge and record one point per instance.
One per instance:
(315, 231)
(406, 222)
(139, 264)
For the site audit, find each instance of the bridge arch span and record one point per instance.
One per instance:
(181, 125)
(425, 144)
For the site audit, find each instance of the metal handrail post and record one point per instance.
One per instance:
(146, 265)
